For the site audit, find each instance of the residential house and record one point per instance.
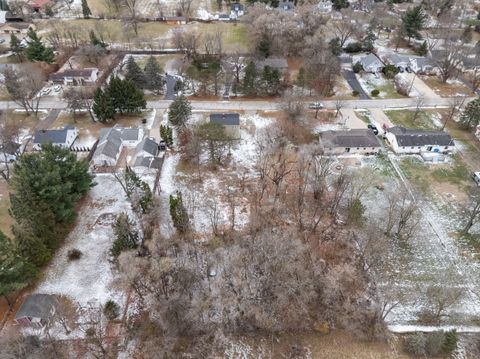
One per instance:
(148, 162)
(325, 6)
(409, 63)
(286, 5)
(236, 10)
(355, 141)
(223, 17)
(16, 28)
(9, 152)
(371, 63)
(415, 141)
(146, 148)
(176, 20)
(111, 142)
(230, 121)
(58, 137)
(471, 63)
(37, 309)
(75, 77)
(279, 63)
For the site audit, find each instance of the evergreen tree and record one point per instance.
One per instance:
(413, 22)
(451, 341)
(15, 272)
(250, 80)
(134, 73)
(153, 76)
(301, 78)
(264, 46)
(86, 10)
(179, 111)
(36, 50)
(423, 49)
(335, 47)
(126, 236)
(271, 80)
(340, 4)
(138, 192)
(166, 135)
(16, 46)
(4, 5)
(133, 98)
(470, 117)
(178, 213)
(102, 106)
(95, 41)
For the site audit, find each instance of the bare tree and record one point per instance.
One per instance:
(419, 102)
(78, 99)
(184, 8)
(344, 29)
(187, 41)
(339, 104)
(472, 210)
(23, 86)
(456, 105)
(133, 16)
(9, 132)
(66, 314)
(402, 215)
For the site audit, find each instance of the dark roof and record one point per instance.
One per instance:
(226, 119)
(130, 134)
(37, 306)
(148, 162)
(148, 145)
(236, 6)
(349, 138)
(53, 136)
(407, 137)
(286, 5)
(109, 143)
(85, 73)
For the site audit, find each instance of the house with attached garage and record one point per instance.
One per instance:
(59, 137)
(355, 141)
(414, 141)
(409, 63)
(371, 63)
(37, 310)
(230, 121)
(146, 154)
(75, 77)
(111, 142)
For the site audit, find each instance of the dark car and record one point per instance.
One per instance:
(373, 128)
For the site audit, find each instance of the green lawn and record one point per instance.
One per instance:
(363, 115)
(406, 118)
(234, 35)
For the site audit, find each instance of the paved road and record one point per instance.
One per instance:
(352, 80)
(263, 105)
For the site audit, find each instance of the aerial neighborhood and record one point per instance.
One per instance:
(240, 179)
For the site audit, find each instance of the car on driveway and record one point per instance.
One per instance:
(373, 128)
(315, 106)
(57, 88)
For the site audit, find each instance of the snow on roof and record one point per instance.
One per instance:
(369, 60)
(148, 145)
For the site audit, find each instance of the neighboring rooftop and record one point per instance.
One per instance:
(349, 138)
(407, 137)
(148, 145)
(37, 306)
(370, 59)
(85, 73)
(226, 119)
(52, 136)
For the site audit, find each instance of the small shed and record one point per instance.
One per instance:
(37, 309)
(230, 121)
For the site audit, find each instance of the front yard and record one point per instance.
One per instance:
(371, 82)
(414, 119)
(450, 88)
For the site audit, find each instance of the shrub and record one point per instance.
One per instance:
(415, 344)
(435, 341)
(355, 93)
(353, 47)
(357, 67)
(111, 309)
(390, 71)
(74, 254)
(375, 92)
(451, 341)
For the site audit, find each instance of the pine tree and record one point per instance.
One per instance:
(102, 106)
(133, 98)
(179, 111)
(301, 79)
(138, 192)
(340, 4)
(86, 10)
(250, 80)
(413, 22)
(15, 272)
(153, 76)
(16, 46)
(451, 341)
(95, 41)
(470, 117)
(271, 80)
(335, 47)
(178, 212)
(166, 135)
(36, 50)
(264, 46)
(126, 236)
(423, 49)
(134, 73)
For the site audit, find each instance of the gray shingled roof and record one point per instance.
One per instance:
(148, 145)
(129, 134)
(37, 306)
(370, 59)
(407, 137)
(148, 162)
(226, 119)
(109, 143)
(349, 138)
(286, 5)
(51, 136)
(236, 6)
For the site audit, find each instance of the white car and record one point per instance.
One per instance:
(45, 92)
(57, 88)
(476, 178)
(315, 106)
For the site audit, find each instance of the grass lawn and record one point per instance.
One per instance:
(5, 220)
(388, 91)
(446, 89)
(406, 118)
(364, 115)
(234, 35)
(110, 30)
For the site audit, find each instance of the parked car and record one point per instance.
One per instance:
(316, 106)
(57, 88)
(476, 178)
(373, 128)
(45, 92)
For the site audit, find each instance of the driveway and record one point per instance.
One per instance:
(381, 120)
(170, 82)
(352, 80)
(351, 120)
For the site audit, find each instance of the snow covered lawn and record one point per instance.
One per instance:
(370, 82)
(90, 278)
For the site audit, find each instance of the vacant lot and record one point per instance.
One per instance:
(414, 119)
(234, 36)
(451, 88)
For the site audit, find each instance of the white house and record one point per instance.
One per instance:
(111, 142)
(371, 63)
(236, 10)
(360, 141)
(75, 77)
(60, 137)
(325, 6)
(407, 140)
(410, 63)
